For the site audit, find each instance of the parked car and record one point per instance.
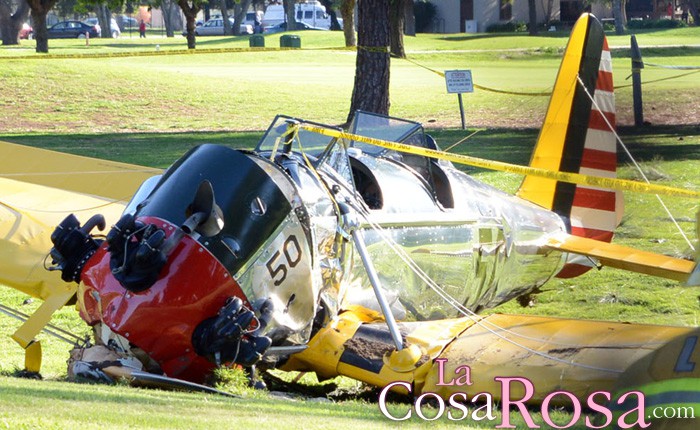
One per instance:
(26, 32)
(282, 26)
(72, 29)
(116, 32)
(215, 27)
(128, 22)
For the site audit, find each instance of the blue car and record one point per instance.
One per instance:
(72, 29)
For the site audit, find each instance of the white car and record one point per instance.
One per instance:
(114, 26)
(215, 27)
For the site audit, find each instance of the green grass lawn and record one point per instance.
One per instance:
(606, 295)
(321, 39)
(150, 109)
(244, 90)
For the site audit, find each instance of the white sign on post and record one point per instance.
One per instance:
(459, 81)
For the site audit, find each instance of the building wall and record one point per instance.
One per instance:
(447, 16)
(486, 12)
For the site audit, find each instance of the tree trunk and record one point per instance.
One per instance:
(371, 90)
(39, 10)
(617, 14)
(167, 7)
(289, 13)
(11, 23)
(335, 25)
(104, 18)
(532, 15)
(397, 19)
(547, 10)
(228, 29)
(410, 17)
(240, 9)
(190, 12)
(693, 12)
(347, 11)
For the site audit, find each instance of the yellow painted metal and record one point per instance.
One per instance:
(669, 378)
(26, 334)
(622, 257)
(550, 143)
(107, 179)
(28, 215)
(39, 188)
(677, 359)
(32, 357)
(694, 278)
(325, 349)
(553, 354)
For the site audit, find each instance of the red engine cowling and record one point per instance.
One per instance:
(161, 320)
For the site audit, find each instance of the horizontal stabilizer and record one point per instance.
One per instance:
(622, 257)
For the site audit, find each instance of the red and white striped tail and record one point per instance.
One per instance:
(577, 136)
(596, 212)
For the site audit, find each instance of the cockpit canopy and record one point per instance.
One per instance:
(345, 156)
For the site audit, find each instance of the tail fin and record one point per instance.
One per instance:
(576, 138)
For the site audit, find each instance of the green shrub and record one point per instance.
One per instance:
(234, 380)
(655, 23)
(608, 26)
(507, 27)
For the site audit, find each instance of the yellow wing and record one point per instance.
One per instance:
(38, 189)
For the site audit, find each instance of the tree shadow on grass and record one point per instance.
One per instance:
(671, 143)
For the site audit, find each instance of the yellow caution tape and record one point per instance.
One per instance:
(481, 87)
(660, 79)
(162, 52)
(574, 178)
(548, 93)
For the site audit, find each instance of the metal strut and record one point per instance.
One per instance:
(351, 226)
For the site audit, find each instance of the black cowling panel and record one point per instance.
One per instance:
(238, 183)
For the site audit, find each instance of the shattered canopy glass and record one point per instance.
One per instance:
(385, 128)
(363, 124)
(313, 144)
(322, 149)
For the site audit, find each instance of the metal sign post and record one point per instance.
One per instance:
(637, 66)
(459, 81)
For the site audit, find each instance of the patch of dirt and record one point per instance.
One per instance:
(368, 349)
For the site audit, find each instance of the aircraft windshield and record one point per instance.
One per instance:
(324, 150)
(363, 124)
(311, 143)
(385, 128)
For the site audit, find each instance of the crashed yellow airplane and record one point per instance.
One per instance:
(362, 253)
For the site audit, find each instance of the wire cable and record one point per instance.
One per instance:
(637, 166)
